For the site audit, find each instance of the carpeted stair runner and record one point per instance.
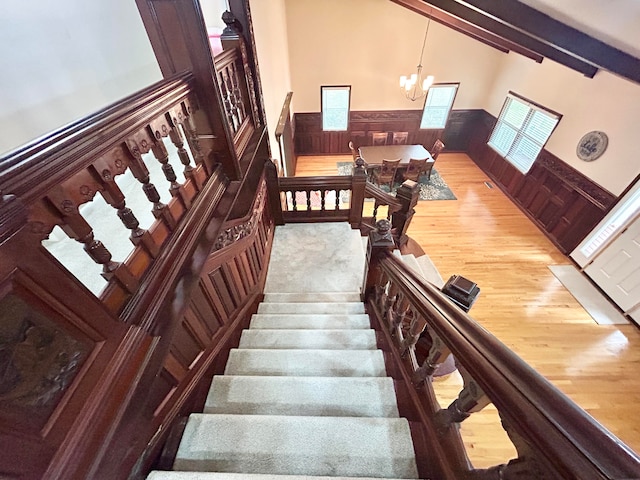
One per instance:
(306, 394)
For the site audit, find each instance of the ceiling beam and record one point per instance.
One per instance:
(552, 32)
(474, 15)
(468, 29)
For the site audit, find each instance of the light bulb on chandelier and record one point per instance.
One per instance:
(414, 86)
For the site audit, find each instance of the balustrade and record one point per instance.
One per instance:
(109, 158)
(552, 436)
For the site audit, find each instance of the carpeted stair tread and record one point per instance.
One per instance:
(315, 257)
(312, 307)
(160, 475)
(310, 321)
(306, 363)
(309, 339)
(411, 262)
(347, 446)
(315, 396)
(315, 297)
(429, 271)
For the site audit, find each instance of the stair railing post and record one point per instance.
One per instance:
(358, 184)
(408, 194)
(273, 191)
(380, 240)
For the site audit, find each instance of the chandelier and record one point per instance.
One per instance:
(413, 86)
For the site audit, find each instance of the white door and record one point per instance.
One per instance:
(617, 268)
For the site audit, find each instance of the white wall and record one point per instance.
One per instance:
(605, 102)
(270, 30)
(368, 44)
(65, 59)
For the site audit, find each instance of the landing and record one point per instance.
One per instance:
(315, 257)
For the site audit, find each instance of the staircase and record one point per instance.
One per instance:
(306, 394)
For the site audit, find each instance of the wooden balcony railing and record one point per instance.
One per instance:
(114, 362)
(341, 198)
(554, 438)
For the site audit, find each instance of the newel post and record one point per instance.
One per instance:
(380, 240)
(408, 194)
(358, 184)
(273, 191)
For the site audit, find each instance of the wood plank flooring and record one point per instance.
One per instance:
(486, 238)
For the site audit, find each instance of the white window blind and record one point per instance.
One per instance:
(521, 131)
(335, 108)
(438, 105)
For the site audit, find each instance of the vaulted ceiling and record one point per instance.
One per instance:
(574, 40)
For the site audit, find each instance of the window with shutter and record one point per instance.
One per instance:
(521, 131)
(438, 105)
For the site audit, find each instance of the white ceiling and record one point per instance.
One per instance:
(615, 22)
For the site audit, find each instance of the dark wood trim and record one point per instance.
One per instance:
(551, 32)
(468, 29)
(494, 25)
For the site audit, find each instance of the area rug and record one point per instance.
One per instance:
(430, 189)
(591, 299)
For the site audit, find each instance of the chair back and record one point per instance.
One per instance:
(400, 138)
(414, 169)
(379, 138)
(436, 149)
(387, 172)
(354, 152)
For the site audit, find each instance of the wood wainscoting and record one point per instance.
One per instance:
(561, 201)
(310, 139)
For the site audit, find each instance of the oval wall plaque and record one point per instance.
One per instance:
(592, 145)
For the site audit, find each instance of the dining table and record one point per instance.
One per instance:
(374, 155)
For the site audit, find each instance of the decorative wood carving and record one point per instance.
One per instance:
(242, 230)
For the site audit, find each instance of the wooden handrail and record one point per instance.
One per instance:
(381, 197)
(541, 420)
(47, 160)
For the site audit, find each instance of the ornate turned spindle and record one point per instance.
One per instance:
(416, 328)
(294, 202)
(114, 197)
(76, 227)
(176, 139)
(323, 194)
(438, 352)
(189, 126)
(471, 399)
(141, 173)
(308, 193)
(162, 155)
(398, 312)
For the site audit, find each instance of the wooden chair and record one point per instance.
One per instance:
(414, 169)
(400, 138)
(354, 152)
(436, 149)
(378, 138)
(385, 174)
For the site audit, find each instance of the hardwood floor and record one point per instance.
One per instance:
(486, 238)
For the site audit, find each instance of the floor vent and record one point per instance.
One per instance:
(488, 184)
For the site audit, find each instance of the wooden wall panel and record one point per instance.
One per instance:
(311, 140)
(561, 201)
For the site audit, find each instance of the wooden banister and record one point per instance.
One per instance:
(551, 433)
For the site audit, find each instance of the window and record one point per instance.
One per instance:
(438, 105)
(522, 130)
(335, 107)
